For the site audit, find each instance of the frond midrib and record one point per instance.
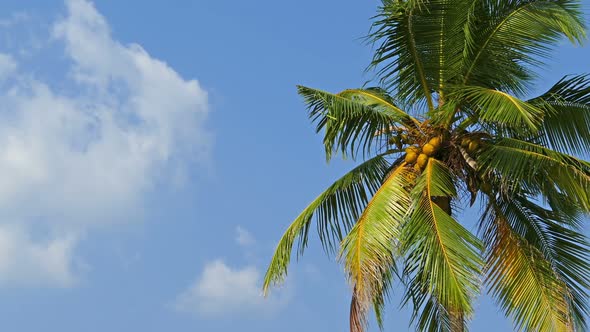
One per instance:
(496, 29)
(542, 156)
(390, 105)
(418, 62)
(362, 218)
(432, 211)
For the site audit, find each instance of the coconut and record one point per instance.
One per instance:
(422, 160)
(412, 153)
(428, 149)
(435, 142)
(411, 157)
(473, 146)
(465, 142)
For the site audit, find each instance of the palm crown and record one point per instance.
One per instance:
(450, 125)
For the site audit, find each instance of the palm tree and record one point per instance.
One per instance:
(450, 125)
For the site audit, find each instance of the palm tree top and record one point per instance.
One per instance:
(450, 124)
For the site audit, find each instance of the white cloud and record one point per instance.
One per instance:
(243, 237)
(87, 155)
(222, 290)
(23, 259)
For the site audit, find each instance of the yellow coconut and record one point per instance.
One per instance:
(422, 160)
(413, 149)
(465, 142)
(473, 146)
(435, 142)
(411, 157)
(428, 149)
(417, 168)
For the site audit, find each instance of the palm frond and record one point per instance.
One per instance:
(380, 299)
(558, 237)
(503, 109)
(538, 169)
(566, 124)
(351, 119)
(520, 279)
(442, 257)
(369, 250)
(434, 317)
(336, 210)
(420, 46)
(378, 99)
(504, 38)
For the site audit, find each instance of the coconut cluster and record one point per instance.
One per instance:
(420, 155)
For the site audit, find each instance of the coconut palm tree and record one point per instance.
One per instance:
(451, 125)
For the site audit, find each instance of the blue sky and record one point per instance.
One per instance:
(153, 152)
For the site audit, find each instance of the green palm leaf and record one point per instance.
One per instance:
(566, 124)
(380, 100)
(420, 46)
(520, 278)
(540, 170)
(368, 251)
(352, 118)
(388, 278)
(504, 37)
(502, 109)
(558, 237)
(443, 258)
(335, 210)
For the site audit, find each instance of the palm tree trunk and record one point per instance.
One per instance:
(457, 318)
